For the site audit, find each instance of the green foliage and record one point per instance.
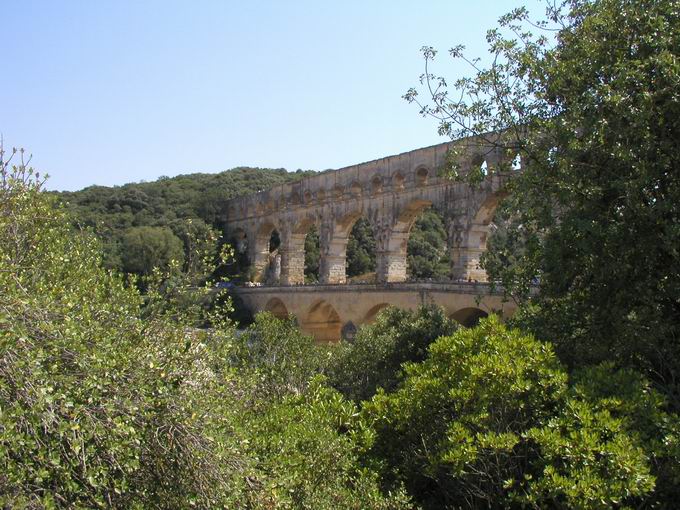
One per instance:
(593, 109)
(427, 256)
(167, 202)
(312, 255)
(308, 448)
(487, 419)
(97, 407)
(144, 248)
(628, 397)
(360, 249)
(276, 357)
(375, 357)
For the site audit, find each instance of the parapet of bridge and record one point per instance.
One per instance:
(390, 193)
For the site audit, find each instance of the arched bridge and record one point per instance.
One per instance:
(331, 312)
(390, 193)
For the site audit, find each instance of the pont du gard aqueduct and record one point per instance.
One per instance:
(390, 193)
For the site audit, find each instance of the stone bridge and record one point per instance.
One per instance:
(331, 312)
(390, 193)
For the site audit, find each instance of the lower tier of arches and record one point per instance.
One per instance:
(333, 312)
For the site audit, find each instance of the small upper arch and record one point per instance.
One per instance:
(376, 185)
(422, 175)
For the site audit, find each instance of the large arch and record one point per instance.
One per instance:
(427, 254)
(323, 322)
(239, 267)
(334, 239)
(391, 265)
(260, 250)
(277, 308)
(468, 248)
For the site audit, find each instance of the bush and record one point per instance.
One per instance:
(276, 357)
(488, 419)
(97, 407)
(375, 357)
(308, 447)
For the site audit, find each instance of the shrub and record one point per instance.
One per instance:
(375, 357)
(488, 420)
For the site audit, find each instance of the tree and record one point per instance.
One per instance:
(144, 248)
(276, 356)
(375, 358)
(487, 421)
(312, 255)
(99, 408)
(592, 106)
(361, 249)
(426, 250)
(308, 448)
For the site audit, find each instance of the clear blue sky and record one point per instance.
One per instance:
(109, 92)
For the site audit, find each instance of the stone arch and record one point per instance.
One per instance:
(320, 196)
(391, 266)
(517, 163)
(239, 240)
(468, 317)
(479, 163)
(323, 322)
(355, 189)
(467, 250)
(260, 250)
(334, 248)
(427, 254)
(338, 192)
(372, 313)
(294, 198)
(307, 197)
(422, 175)
(277, 308)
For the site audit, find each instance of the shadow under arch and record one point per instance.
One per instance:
(323, 322)
(277, 308)
(487, 209)
(468, 317)
(237, 269)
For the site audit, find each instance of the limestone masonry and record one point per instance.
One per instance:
(391, 193)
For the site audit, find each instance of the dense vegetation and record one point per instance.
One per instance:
(136, 222)
(593, 114)
(117, 399)
(146, 225)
